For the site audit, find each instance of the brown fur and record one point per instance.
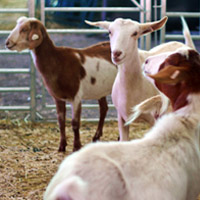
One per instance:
(62, 71)
(187, 82)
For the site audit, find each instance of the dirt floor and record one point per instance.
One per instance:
(29, 157)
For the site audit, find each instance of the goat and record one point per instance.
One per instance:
(69, 74)
(130, 86)
(164, 164)
(157, 104)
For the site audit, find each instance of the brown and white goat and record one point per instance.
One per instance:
(68, 74)
(164, 164)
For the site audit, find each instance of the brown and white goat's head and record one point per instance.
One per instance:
(27, 34)
(124, 34)
(176, 74)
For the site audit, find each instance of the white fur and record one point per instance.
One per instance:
(165, 164)
(104, 76)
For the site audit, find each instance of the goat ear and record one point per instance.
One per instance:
(21, 19)
(153, 26)
(35, 36)
(171, 74)
(101, 24)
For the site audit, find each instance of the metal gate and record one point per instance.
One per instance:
(30, 70)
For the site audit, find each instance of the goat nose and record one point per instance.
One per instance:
(117, 53)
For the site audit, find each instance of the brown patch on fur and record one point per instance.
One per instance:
(82, 72)
(101, 50)
(93, 80)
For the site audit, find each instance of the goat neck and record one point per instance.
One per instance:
(192, 107)
(43, 53)
(130, 69)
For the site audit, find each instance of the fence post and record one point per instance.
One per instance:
(33, 91)
(148, 19)
(31, 6)
(142, 20)
(163, 13)
(42, 11)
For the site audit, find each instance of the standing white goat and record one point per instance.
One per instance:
(130, 86)
(165, 164)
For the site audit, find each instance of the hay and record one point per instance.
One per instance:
(29, 157)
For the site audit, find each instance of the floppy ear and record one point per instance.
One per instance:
(152, 26)
(171, 74)
(100, 24)
(35, 36)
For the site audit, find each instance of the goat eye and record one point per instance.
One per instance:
(135, 33)
(109, 32)
(24, 30)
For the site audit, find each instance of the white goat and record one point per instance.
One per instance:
(69, 74)
(165, 164)
(130, 86)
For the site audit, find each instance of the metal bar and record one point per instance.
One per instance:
(2, 51)
(95, 120)
(148, 19)
(91, 120)
(14, 10)
(2, 32)
(163, 13)
(32, 91)
(84, 106)
(172, 36)
(84, 31)
(14, 89)
(14, 71)
(15, 108)
(142, 20)
(184, 14)
(92, 9)
(42, 11)
(155, 6)
(80, 31)
(138, 5)
(31, 8)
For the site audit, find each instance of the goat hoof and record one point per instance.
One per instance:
(61, 149)
(76, 148)
(63, 144)
(95, 139)
(97, 136)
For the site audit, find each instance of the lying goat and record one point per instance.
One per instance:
(165, 164)
(68, 74)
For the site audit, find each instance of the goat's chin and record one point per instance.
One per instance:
(117, 61)
(15, 48)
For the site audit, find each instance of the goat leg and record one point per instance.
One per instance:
(61, 115)
(103, 106)
(76, 115)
